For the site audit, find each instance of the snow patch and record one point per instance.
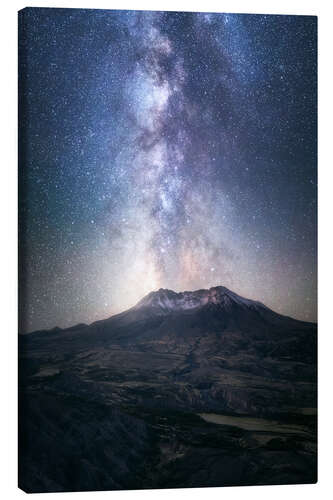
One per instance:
(168, 300)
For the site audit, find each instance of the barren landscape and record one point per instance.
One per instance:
(197, 389)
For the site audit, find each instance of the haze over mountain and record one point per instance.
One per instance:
(203, 379)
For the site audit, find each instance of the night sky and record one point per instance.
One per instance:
(160, 149)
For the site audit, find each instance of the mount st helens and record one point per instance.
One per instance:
(191, 389)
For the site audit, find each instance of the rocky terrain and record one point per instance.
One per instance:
(189, 389)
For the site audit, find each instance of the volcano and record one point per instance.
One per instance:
(190, 389)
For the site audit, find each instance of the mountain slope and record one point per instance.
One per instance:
(164, 361)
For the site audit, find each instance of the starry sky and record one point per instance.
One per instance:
(165, 149)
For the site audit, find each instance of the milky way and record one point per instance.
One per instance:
(172, 150)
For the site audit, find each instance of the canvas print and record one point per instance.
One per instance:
(167, 249)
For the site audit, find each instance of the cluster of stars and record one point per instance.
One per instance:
(165, 149)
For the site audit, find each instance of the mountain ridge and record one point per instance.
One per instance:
(166, 301)
(188, 299)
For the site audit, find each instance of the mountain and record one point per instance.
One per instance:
(178, 380)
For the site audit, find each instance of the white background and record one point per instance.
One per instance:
(8, 239)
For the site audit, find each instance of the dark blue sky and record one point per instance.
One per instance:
(170, 150)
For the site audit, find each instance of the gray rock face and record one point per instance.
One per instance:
(117, 402)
